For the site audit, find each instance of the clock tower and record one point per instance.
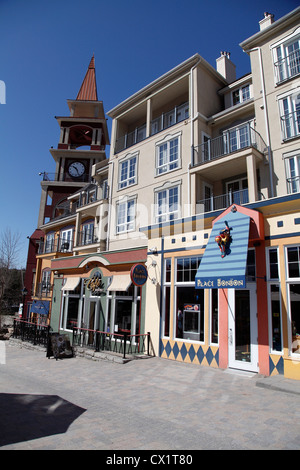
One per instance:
(83, 139)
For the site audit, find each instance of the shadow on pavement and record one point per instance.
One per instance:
(25, 417)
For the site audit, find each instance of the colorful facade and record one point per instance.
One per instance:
(200, 191)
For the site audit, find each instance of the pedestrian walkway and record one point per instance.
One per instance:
(146, 404)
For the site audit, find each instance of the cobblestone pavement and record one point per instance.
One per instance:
(145, 404)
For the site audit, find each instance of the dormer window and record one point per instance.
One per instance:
(241, 94)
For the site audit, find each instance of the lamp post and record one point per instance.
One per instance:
(24, 293)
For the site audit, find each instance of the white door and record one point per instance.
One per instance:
(242, 328)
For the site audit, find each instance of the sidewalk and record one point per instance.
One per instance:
(153, 403)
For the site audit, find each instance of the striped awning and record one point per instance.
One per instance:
(120, 282)
(71, 283)
(229, 271)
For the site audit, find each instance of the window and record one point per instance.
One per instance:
(189, 313)
(46, 286)
(239, 137)
(71, 307)
(274, 293)
(49, 244)
(287, 59)
(292, 169)
(241, 95)
(87, 235)
(167, 155)
(167, 291)
(167, 204)
(123, 311)
(237, 191)
(66, 240)
(128, 172)
(125, 216)
(290, 115)
(293, 288)
(214, 339)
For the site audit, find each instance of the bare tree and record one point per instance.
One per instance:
(9, 251)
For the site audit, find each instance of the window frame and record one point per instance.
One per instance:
(166, 216)
(126, 222)
(290, 280)
(128, 180)
(168, 165)
(280, 53)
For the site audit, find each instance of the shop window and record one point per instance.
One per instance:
(250, 267)
(71, 308)
(273, 264)
(167, 292)
(293, 283)
(123, 311)
(189, 322)
(214, 316)
(275, 311)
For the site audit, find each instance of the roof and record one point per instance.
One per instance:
(88, 89)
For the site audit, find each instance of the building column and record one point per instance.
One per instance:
(252, 179)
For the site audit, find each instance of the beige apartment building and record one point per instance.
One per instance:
(195, 153)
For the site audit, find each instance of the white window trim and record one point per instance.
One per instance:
(282, 42)
(166, 187)
(128, 157)
(239, 89)
(166, 140)
(119, 203)
(290, 280)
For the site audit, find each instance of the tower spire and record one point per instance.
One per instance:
(88, 89)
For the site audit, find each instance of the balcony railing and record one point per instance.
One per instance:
(288, 67)
(43, 289)
(165, 120)
(87, 238)
(123, 344)
(222, 201)
(293, 184)
(231, 141)
(85, 178)
(60, 245)
(290, 124)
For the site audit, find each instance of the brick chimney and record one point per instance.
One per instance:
(225, 67)
(266, 21)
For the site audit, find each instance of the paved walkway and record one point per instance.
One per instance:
(146, 404)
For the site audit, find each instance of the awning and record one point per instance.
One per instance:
(71, 283)
(40, 306)
(229, 271)
(120, 282)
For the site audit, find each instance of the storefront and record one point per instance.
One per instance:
(98, 293)
(232, 306)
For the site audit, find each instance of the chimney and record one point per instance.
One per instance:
(266, 21)
(225, 67)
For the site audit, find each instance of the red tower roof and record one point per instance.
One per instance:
(88, 89)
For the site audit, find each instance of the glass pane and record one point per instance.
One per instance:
(167, 312)
(242, 326)
(214, 316)
(72, 313)
(191, 296)
(123, 316)
(276, 321)
(295, 316)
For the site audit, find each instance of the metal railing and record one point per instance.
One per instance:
(287, 67)
(31, 332)
(165, 120)
(120, 343)
(290, 124)
(85, 178)
(230, 141)
(59, 245)
(87, 238)
(222, 201)
(43, 289)
(293, 184)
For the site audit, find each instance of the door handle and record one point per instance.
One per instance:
(230, 336)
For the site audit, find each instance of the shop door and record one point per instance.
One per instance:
(91, 322)
(242, 327)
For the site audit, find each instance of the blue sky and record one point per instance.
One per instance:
(46, 47)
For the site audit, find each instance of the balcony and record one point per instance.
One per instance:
(163, 121)
(87, 238)
(57, 245)
(43, 290)
(222, 201)
(287, 67)
(231, 141)
(290, 124)
(293, 184)
(85, 178)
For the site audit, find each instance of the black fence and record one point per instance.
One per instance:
(120, 343)
(31, 332)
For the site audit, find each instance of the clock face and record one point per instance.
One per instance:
(76, 169)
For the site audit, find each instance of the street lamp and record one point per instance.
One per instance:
(24, 293)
